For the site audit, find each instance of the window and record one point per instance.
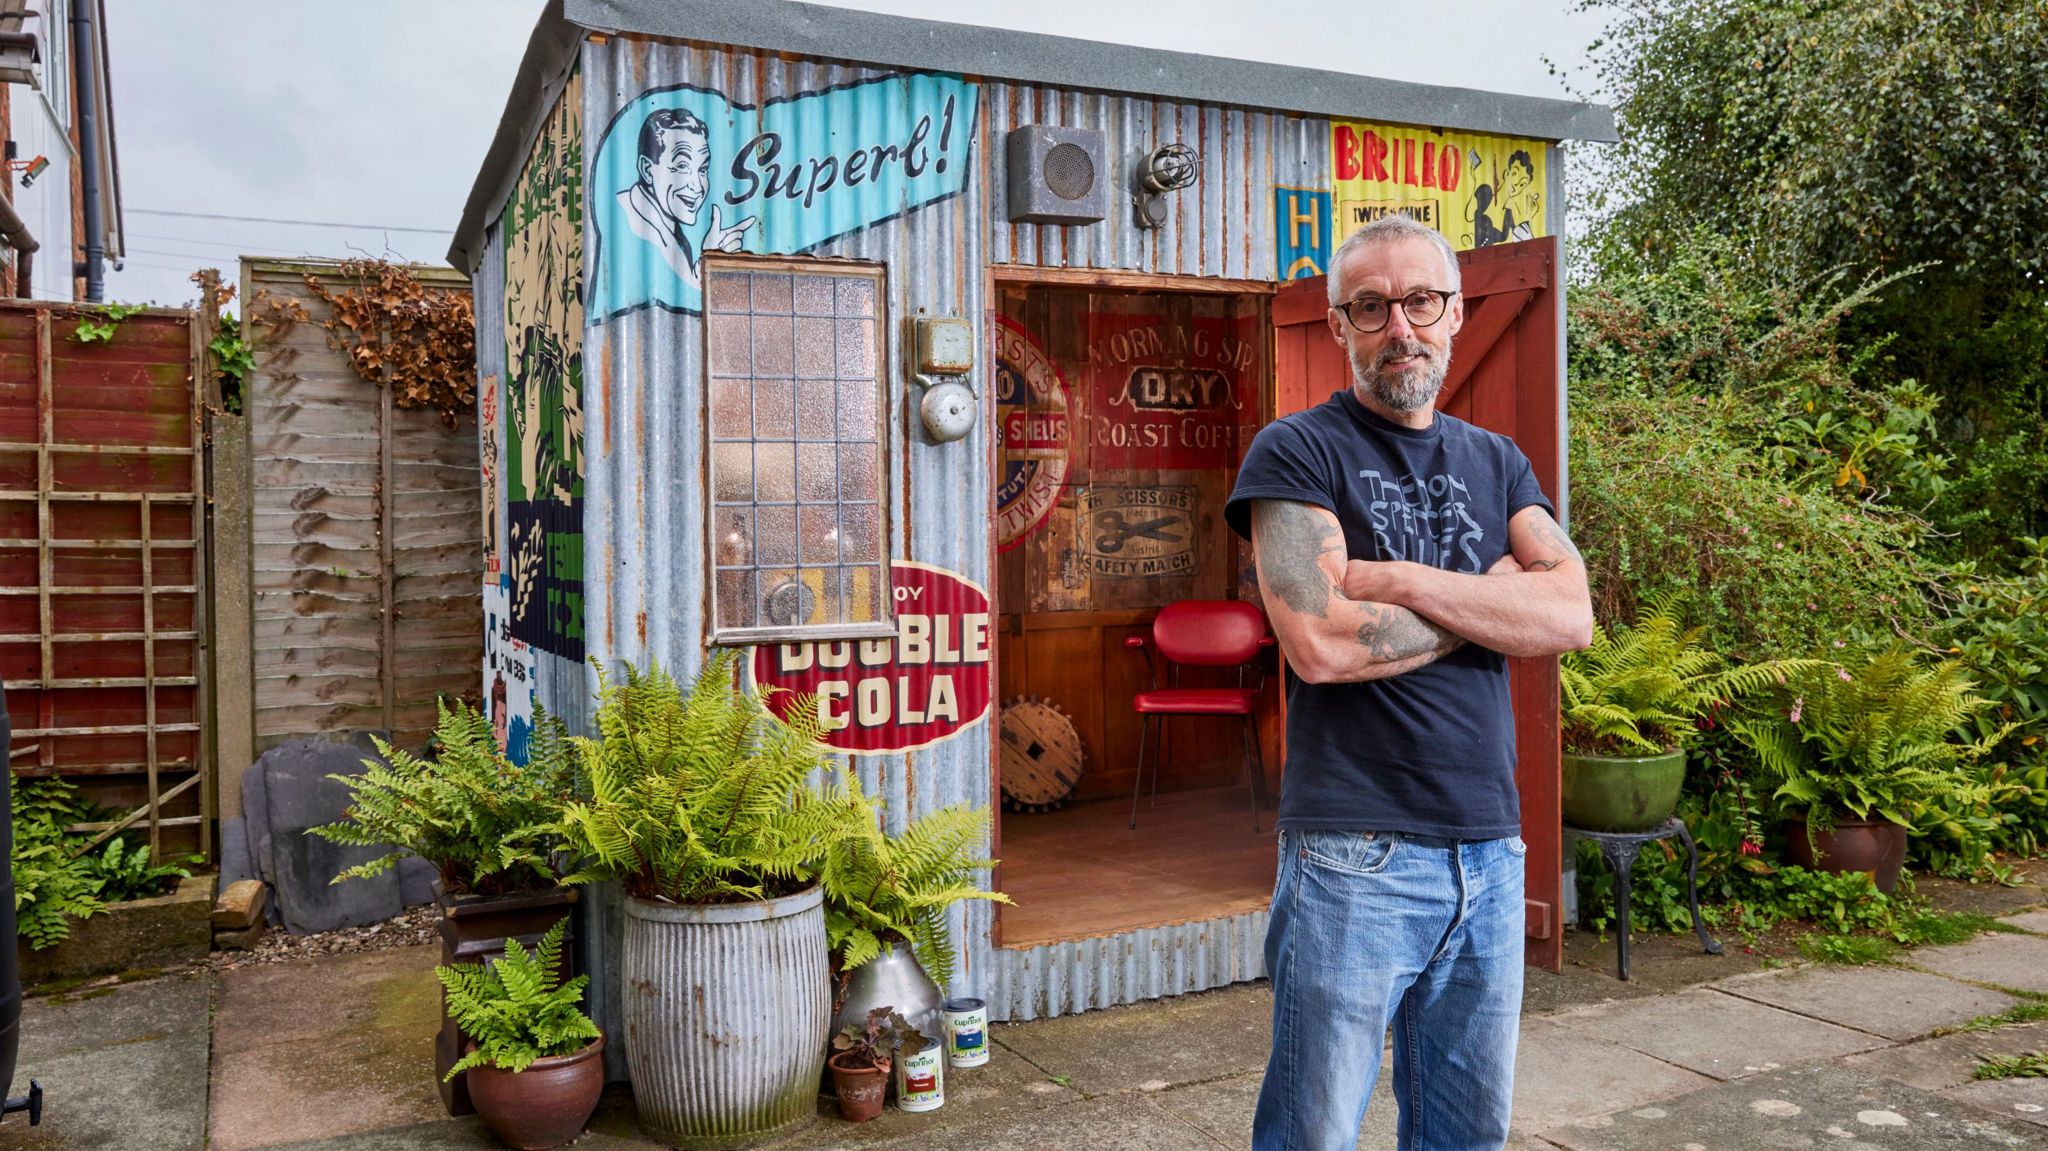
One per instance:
(799, 538)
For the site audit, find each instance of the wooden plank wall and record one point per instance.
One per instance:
(358, 509)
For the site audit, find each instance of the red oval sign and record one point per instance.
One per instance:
(928, 683)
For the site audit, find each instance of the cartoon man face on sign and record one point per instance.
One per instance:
(674, 164)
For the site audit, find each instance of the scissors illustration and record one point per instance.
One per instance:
(1113, 530)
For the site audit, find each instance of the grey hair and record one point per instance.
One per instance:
(1388, 229)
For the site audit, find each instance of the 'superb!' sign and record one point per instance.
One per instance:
(928, 683)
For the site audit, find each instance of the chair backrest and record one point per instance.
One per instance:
(1209, 632)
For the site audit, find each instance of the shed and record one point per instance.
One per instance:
(723, 253)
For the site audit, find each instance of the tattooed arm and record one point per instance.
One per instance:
(1328, 637)
(1543, 611)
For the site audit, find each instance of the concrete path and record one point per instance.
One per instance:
(121, 1065)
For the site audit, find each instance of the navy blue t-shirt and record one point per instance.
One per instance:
(1432, 751)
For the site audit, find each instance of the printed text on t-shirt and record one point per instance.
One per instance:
(1424, 520)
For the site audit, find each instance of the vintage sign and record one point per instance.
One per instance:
(509, 684)
(1169, 392)
(1302, 222)
(1139, 532)
(1034, 429)
(682, 171)
(928, 683)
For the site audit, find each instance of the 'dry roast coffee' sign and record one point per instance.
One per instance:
(926, 684)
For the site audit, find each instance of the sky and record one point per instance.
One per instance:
(377, 113)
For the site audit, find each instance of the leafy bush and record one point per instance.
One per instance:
(516, 1008)
(484, 822)
(52, 885)
(126, 871)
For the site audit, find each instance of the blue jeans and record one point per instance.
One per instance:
(1371, 929)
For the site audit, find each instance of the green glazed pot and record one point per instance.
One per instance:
(1622, 793)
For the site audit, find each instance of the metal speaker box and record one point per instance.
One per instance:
(1057, 175)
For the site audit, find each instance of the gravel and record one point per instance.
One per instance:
(409, 929)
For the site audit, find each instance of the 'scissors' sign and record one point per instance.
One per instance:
(928, 683)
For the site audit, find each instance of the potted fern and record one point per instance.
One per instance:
(699, 806)
(1856, 753)
(485, 823)
(1632, 701)
(536, 1064)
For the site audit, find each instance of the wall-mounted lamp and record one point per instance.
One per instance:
(1169, 168)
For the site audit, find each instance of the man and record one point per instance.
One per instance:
(674, 155)
(1402, 555)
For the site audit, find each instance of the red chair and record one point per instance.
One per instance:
(1203, 633)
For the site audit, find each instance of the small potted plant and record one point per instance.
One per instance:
(1632, 701)
(537, 1065)
(861, 1061)
(1857, 753)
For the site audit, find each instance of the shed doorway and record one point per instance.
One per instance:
(1122, 414)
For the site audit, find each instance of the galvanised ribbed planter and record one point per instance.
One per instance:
(726, 1010)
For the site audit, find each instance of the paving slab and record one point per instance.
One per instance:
(269, 1003)
(1548, 992)
(2017, 1100)
(111, 1016)
(2006, 960)
(1003, 1088)
(123, 1066)
(1562, 1074)
(1827, 1106)
(1658, 963)
(1951, 1060)
(466, 1134)
(2026, 890)
(1715, 1034)
(2035, 921)
(1888, 1001)
(1121, 1122)
(1188, 1039)
(1223, 1110)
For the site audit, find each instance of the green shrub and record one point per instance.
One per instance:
(516, 1008)
(52, 884)
(125, 871)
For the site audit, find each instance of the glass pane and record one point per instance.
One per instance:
(863, 588)
(774, 410)
(775, 534)
(771, 346)
(856, 349)
(814, 295)
(727, 291)
(824, 583)
(858, 525)
(785, 599)
(728, 343)
(857, 410)
(771, 293)
(774, 473)
(856, 296)
(736, 599)
(733, 536)
(814, 348)
(732, 473)
(820, 534)
(857, 476)
(815, 418)
(817, 473)
(732, 415)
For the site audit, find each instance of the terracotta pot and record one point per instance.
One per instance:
(860, 1088)
(544, 1105)
(1621, 793)
(474, 930)
(1876, 847)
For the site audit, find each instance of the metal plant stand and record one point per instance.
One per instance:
(1620, 849)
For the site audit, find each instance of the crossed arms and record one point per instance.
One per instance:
(1342, 620)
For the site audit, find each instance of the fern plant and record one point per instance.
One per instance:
(698, 798)
(124, 871)
(53, 885)
(882, 889)
(484, 822)
(515, 1008)
(1643, 690)
(1882, 738)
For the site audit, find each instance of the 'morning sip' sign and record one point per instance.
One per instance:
(928, 683)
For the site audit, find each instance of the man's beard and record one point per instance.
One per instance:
(1404, 390)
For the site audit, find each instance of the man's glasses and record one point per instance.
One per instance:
(1422, 307)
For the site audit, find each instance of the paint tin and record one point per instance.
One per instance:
(921, 1078)
(966, 1032)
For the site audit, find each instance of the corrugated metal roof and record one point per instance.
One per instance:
(839, 34)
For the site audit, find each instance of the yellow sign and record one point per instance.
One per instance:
(1477, 190)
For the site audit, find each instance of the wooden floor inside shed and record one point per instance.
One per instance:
(1081, 872)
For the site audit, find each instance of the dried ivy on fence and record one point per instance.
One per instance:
(398, 333)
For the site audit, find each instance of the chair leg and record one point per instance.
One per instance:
(1258, 765)
(1258, 786)
(1158, 759)
(1138, 785)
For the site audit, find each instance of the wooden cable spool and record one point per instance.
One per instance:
(1042, 755)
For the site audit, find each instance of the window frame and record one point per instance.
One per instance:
(884, 625)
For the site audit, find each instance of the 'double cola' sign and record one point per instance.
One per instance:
(927, 683)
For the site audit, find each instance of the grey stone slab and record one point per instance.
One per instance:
(2005, 960)
(1934, 1064)
(307, 896)
(1223, 1110)
(1562, 1074)
(1887, 1001)
(59, 1025)
(1716, 1034)
(150, 1093)
(2012, 1100)
(415, 881)
(1168, 1042)
(1829, 1107)
(256, 819)
(2035, 921)
(236, 861)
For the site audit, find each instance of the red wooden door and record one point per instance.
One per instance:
(1504, 377)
